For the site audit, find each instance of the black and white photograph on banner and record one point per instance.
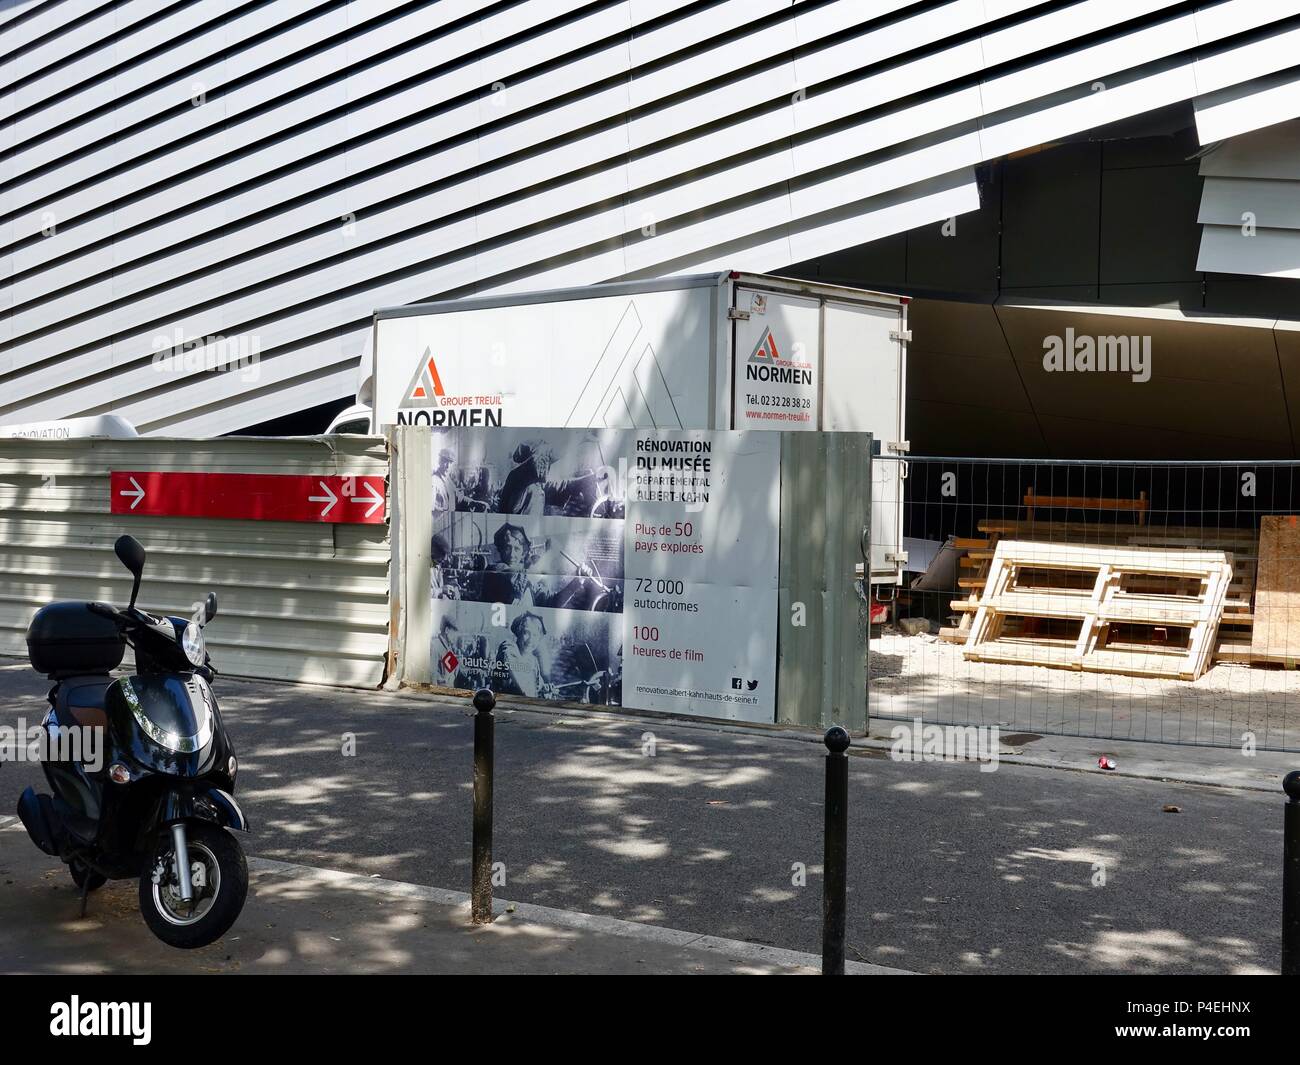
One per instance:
(539, 652)
(540, 519)
(530, 472)
(528, 534)
(563, 563)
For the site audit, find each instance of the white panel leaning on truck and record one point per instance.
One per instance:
(715, 351)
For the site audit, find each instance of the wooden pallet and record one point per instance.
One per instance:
(1275, 636)
(1090, 588)
(1240, 544)
(976, 554)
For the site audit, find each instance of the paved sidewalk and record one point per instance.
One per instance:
(304, 920)
(1212, 766)
(716, 829)
(1221, 767)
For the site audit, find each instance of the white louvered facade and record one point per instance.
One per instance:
(1250, 203)
(272, 172)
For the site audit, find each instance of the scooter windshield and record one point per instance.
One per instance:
(173, 713)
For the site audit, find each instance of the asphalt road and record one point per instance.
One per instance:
(952, 870)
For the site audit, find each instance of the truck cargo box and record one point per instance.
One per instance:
(715, 351)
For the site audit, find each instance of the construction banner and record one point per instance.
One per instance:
(609, 567)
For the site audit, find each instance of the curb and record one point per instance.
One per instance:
(527, 913)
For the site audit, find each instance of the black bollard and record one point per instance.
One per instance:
(836, 851)
(481, 875)
(1291, 876)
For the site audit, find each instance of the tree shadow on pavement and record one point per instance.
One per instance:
(719, 832)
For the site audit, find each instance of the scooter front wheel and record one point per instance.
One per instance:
(219, 877)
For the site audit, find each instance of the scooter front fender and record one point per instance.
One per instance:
(204, 804)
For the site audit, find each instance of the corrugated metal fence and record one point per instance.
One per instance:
(298, 600)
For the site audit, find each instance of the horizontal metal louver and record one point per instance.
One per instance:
(269, 173)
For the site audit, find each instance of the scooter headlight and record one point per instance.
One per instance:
(192, 644)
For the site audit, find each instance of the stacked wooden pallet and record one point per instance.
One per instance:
(1235, 638)
(1234, 641)
(1106, 609)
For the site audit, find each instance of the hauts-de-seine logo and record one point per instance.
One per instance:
(766, 364)
(426, 401)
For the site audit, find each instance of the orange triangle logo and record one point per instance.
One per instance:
(426, 384)
(765, 348)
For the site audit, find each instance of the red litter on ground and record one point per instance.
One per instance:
(1105, 763)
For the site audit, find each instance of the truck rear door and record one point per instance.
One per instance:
(805, 361)
(777, 349)
(863, 375)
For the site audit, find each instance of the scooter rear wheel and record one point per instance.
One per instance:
(218, 899)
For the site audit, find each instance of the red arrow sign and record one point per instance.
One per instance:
(249, 496)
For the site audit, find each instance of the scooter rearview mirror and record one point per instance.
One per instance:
(210, 607)
(131, 554)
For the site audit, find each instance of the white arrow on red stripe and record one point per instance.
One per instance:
(376, 497)
(329, 498)
(138, 494)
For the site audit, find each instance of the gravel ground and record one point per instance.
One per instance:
(923, 675)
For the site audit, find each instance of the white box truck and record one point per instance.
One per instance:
(730, 350)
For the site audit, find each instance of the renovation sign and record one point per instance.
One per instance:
(609, 567)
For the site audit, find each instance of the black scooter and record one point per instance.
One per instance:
(157, 805)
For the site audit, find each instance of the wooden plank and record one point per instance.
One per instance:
(1057, 653)
(1084, 502)
(1090, 556)
(1138, 506)
(1153, 662)
(1232, 651)
(1275, 636)
(1202, 536)
(1049, 604)
(966, 616)
(999, 574)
